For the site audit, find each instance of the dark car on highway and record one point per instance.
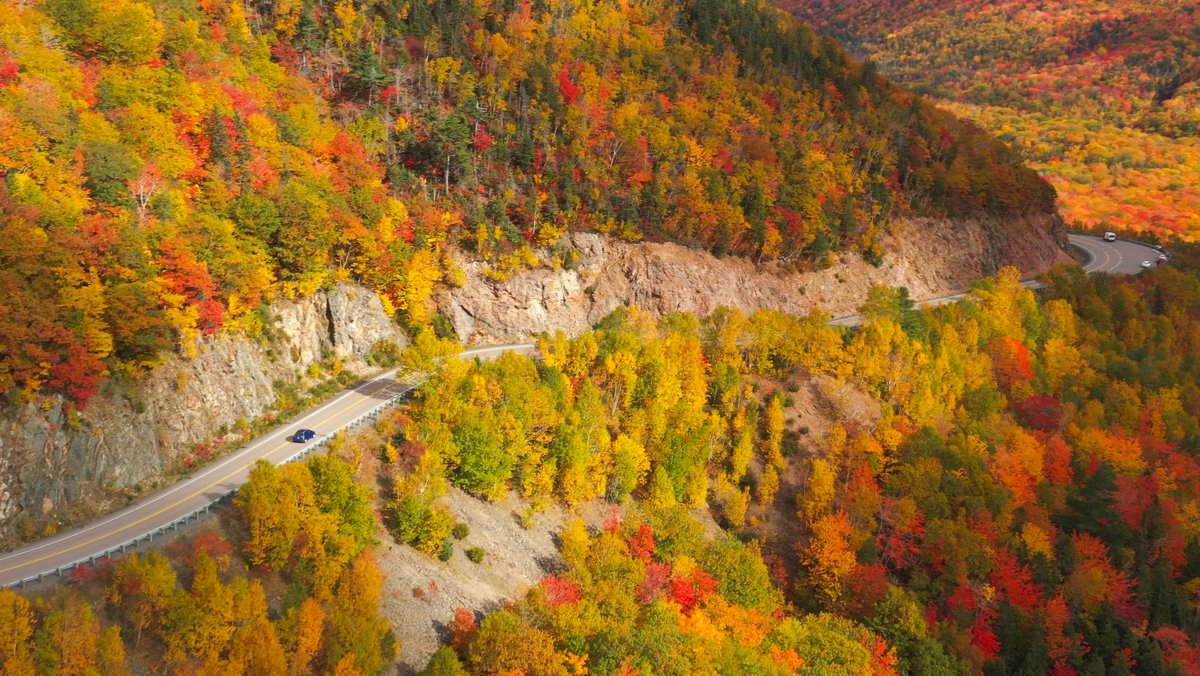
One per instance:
(302, 436)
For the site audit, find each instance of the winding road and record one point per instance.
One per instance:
(157, 512)
(1122, 257)
(173, 505)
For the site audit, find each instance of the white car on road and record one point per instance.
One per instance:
(1110, 236)
(1146, 264)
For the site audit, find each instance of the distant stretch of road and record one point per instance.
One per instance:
(208, 483)
(227, 474)
(1122, 257)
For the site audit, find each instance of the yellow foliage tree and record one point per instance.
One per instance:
(421, 273)
(817, 499)
(16, 628)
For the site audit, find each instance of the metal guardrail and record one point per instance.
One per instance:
(149, 536)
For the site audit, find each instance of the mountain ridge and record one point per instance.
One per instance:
(1101, 96)
(172, 166)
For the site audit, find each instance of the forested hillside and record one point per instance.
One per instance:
(171, 165)
(1025, 501)
(1102, 96)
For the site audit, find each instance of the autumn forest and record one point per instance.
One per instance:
(1100, 96)
(1005, 484)
(171, 166)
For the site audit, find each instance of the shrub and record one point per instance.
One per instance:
(384, 353)
(461, 530)
(420, 524)
(475, 554)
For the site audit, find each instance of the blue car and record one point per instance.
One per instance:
(302, 436)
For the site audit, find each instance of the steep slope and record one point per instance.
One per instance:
(1102, 96)
(172, 165)
(59, 464)
(929, 257)
(1001, 485)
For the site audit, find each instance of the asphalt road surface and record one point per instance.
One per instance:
(208, 483)
(1122, 257)
(226, 474)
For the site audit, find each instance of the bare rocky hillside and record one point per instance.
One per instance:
(931, 258)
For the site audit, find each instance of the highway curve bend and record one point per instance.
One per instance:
(1123, 257)
(211, 482)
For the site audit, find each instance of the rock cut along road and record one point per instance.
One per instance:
(209, 483)
(1122, 257)
(171, 504)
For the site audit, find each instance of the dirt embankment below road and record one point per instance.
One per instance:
(421, 594)
(931, 257)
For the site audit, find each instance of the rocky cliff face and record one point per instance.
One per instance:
(931, 258)
(50, 462)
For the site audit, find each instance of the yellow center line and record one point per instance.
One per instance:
(170, 506)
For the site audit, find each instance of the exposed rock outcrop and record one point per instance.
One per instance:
(128, 435)
(931, 258)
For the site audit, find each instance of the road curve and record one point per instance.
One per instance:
(175, 502)
(209, 483)
(1122, 257)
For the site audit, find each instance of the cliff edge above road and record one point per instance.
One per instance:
(930, 257)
